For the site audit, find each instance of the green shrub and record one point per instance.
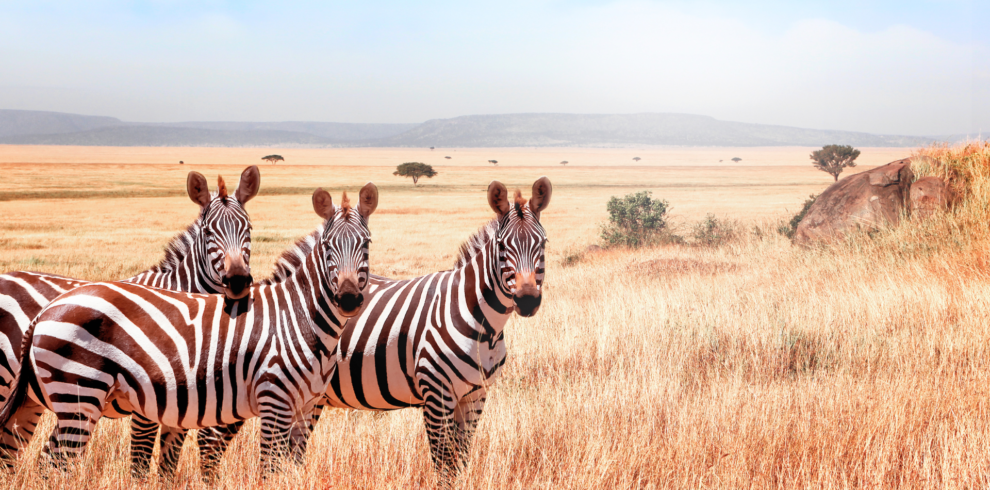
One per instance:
(637, 220)
(788, 229)
(712, 232)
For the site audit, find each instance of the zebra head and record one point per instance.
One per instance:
(521, 242)
(344, 246)
(224, 238)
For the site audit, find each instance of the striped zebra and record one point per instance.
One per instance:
(191, 361)
(211, 256)
(436, 341)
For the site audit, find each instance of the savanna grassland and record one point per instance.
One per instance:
(748, 364)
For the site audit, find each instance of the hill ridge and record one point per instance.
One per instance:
(478, 131)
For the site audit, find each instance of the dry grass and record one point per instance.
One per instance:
(754, 364)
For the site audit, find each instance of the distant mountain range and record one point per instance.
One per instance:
(504, 130)
(56, 128)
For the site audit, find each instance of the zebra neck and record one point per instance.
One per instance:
(310, 284)
(495, 304)
(186, 266)
(197, 263)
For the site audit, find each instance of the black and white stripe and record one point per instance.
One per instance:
(436, 341)
(211, 256)
(193, 361)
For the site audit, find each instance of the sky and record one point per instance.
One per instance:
(905, 67)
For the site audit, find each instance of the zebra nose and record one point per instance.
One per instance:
(237, 286)
(350, 303)
(236, 276)
(348, 297)
(526, 294)
(527, 301)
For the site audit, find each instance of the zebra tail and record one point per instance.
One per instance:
(24, 378)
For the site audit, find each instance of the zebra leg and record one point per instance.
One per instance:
(302, 431)
(75, 424)
(143, 433)
(466, 416)
(441, 429)
(276, 429)
(213, 442)
(170, 450)
(19, 431)
(299, 436)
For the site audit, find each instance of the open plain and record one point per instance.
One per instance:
(749, 364)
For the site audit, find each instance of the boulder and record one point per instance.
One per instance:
(929, 195)
(865, 200)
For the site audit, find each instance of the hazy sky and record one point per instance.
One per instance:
(898, 67)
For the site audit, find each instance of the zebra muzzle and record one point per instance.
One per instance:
(237, 278)
(349, 297)
(526, 294)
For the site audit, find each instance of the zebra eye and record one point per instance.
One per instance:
(367, 243)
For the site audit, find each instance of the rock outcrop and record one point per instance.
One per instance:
(865, 200)
(929, 195)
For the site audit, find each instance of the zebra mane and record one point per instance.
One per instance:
(178, 248)
(476, 243)
(293, 258)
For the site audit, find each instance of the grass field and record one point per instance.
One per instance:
(753, 364)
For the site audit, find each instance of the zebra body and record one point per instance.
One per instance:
(418, 333)
(437, 341)
(192, 361)
(211, 256)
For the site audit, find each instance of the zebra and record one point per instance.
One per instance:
(191, 361)
(211, 256)
(435, 341)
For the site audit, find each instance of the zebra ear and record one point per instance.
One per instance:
(368, 200)
(248, 186)
(197, 188)
(498, 198)
(323, 204)
(541, 196)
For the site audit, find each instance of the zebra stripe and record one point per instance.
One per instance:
(194, 262)
(436, 341)
(193, 361)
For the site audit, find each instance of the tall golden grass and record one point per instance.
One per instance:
(752, 364)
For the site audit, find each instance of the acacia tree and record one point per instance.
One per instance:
(735, 159)
(273, 158)
(637, 158)
(493, 162)
(831, 159)
(564, 162)
(415, 170)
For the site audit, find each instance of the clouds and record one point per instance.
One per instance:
(403, 63)
(816, 73)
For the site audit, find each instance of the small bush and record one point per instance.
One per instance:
(712, 232)
(788, 229)
(637, 220)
